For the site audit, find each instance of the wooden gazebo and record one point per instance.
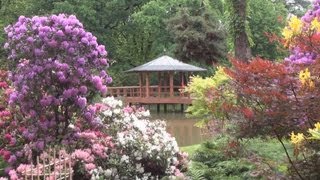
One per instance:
(165, 92)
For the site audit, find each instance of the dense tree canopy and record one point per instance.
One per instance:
(266, 18)
(138, 31)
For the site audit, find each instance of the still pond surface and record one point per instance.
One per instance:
(181, 127)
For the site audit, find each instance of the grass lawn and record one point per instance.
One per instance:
(271, 151)
(268, 148)
(190, 149)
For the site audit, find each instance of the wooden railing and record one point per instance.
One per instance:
(55, 165)
(154, 91)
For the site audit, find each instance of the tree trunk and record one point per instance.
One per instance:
(241, 42)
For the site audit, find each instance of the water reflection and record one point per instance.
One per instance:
(181, 127)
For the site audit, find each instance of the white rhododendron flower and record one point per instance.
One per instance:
(140, 140)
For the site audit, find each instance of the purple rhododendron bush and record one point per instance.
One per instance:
(56, 69)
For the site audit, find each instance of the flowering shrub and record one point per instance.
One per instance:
(57, 68)
(261, 95)
(302, 37)
(273, 100)
(9, 127)
(145, 149)
(303, 34)
(134, 147)
(46, 52)
(278, 98)
(5, 114)
(309, 146)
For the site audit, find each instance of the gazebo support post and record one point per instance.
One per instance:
(140, 84)
(165, 84)
(182, 84)
(187, 77)
(171, 83)
(182, 78)
(182, 108)
(147, 85)
(159, 83)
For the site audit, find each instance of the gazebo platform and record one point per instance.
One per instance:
(158, 100)
(133, 95)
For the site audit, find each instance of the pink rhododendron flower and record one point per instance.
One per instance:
(89, 167)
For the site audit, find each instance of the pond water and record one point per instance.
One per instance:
(181, 127)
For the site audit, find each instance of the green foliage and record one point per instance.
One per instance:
(211, 97)
(240, 34)
(190, 149)
(230, 169)
(3, 165)
(137, 31)
(266, 17)
(104, 18)
(208, 156)
(271, 151)
(256, 159)
(198, 33)
(235, 23)
(142, 38)
(197, 172)
(268, 148)
(211, 162)
(151, 21)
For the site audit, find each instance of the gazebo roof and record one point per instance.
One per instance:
(166, 63)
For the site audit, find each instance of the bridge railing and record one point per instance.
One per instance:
(154, 91)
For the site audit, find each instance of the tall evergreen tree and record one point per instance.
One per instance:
(199, 34)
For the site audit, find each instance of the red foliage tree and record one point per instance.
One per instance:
(267, 101)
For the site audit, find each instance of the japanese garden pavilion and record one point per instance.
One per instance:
(167, 91)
